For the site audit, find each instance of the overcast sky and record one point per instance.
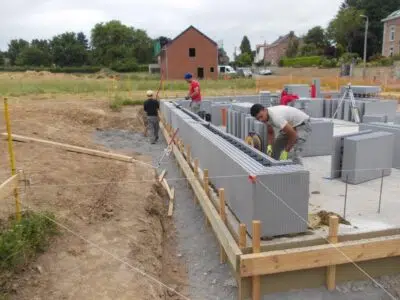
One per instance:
(222, 20)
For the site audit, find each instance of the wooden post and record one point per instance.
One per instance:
(206, 189)
(188, 160)
(256, 291)
(222, 213)
(333, 238)
(196, 174)
(242, 236)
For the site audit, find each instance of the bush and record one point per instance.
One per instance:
(348, 57)
(300, 62)
(119, 102)
(329, 63)
(21, 241)
(125, 65)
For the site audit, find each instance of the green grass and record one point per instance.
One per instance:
(119, 102)
(20, 242)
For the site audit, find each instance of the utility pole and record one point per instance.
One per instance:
(365, 44)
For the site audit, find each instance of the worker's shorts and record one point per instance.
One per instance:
(195, 107)
(303, 132)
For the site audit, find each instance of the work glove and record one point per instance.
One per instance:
(269, 150)
(187, 98)
(284, 155)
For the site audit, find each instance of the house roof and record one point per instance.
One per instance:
(393, 15)
(186, 30)
(279, 40)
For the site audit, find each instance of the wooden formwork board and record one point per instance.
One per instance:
(223, 235)
(7, 187)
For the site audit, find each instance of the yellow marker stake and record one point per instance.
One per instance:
(12, 157)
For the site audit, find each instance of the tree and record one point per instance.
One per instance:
(245, 46)
(308, 50)
(1, 58)
(316, 36)
(82, 39)
(67, 50)
(345, 28)
(223, 58)
(244, 60)
(293, 46)
(33, 56)
(14, 49)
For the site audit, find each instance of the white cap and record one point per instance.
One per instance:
(149, 93)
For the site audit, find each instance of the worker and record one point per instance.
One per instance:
(194, 93)
(294, 126)
(288, 99)
(151, 107)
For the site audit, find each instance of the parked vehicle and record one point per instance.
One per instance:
(265, 72)
(245, 72)
(226, 70)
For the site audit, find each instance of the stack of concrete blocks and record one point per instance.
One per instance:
(383, 107)
(362, 91)
(337, 152)
(216, 112)
(301, 90)
(391, 128)
(311, 106)
(320, 141)
(276, 188)
(375, 118)
(359, 165)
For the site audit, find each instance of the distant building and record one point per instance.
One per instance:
(191, 51)
(391, 34)
(259, 57)
(274, 52)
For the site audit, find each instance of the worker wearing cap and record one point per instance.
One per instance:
(151, 107)
(294, 126)
(194, 93)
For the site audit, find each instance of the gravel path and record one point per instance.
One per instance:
(199, 250)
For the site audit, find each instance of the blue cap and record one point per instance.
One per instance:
(188, 76)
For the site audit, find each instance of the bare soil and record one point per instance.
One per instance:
(114, 233)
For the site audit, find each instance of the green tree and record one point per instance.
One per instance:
(14, 49)
(223, 58)
(33, 56)
(308, 50)
(67, 50)
(316, 36)
(244, 60)
(245, 46)
(293, 45)
(345, 28)
(1, 58)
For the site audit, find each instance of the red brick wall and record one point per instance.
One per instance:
(275, 53)
(178, 61)
(387, 44)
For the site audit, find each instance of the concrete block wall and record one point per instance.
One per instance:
(216, 112)
(384, 107)
(397, 118)
(230, 161)
(302, 90)
(362, 91)
(375, 118)
(337, 152)
(320, 140)
(359, 165)
(391, 128)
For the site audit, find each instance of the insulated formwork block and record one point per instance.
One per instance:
(320, 140)
(388, 108)
(216, 112)
(337, 151)
(374, 118)
(346, 110)
(301, 90)
(365, 159)
(328, 108)
(392, 128)
(397, 118)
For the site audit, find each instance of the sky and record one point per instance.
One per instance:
(225, 21)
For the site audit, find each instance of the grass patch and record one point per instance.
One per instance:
(119, 102)
(20, 242)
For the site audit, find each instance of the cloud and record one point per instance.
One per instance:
(222, 20)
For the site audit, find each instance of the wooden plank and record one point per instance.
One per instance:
(256, 288)
(242, 236)
(77, 149)
(167, 188)
(171, 203)
(222, 233)
(222, 213)
(7, 187)
(162, 175)
(331, 270)
(318, 256)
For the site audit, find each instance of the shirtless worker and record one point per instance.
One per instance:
(294, 126)
(194, 93)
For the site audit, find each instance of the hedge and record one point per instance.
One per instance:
(299, 62)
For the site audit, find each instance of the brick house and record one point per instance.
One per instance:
(191, 51)
(391, 34)
(275, 51)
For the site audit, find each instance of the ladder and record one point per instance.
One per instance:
(349, 95)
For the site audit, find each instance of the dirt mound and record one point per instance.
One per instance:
(321, 218)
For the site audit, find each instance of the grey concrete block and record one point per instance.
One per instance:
(382, 108)
(320, 140)
(358, 163)
(397, 118)
(302, 90)
(374, 118)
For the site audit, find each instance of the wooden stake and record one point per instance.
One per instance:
(188, 160)
(162, 175)
(333, 238)
(222, 213)
(206, 189)
(242, 236)
(171, 203)
(196, 174)
(256, 291)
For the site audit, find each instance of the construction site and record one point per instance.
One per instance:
(206, 213)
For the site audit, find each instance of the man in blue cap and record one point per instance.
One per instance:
(194, 93)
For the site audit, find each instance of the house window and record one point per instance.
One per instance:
(391, 49)
(392, 33)
(192, 52)
(212, 69)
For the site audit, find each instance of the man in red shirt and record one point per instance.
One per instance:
(194, 93)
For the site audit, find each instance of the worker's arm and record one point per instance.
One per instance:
(195, 93)
(271, 135)
(292, 136)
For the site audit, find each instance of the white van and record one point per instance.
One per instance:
(226, 70)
